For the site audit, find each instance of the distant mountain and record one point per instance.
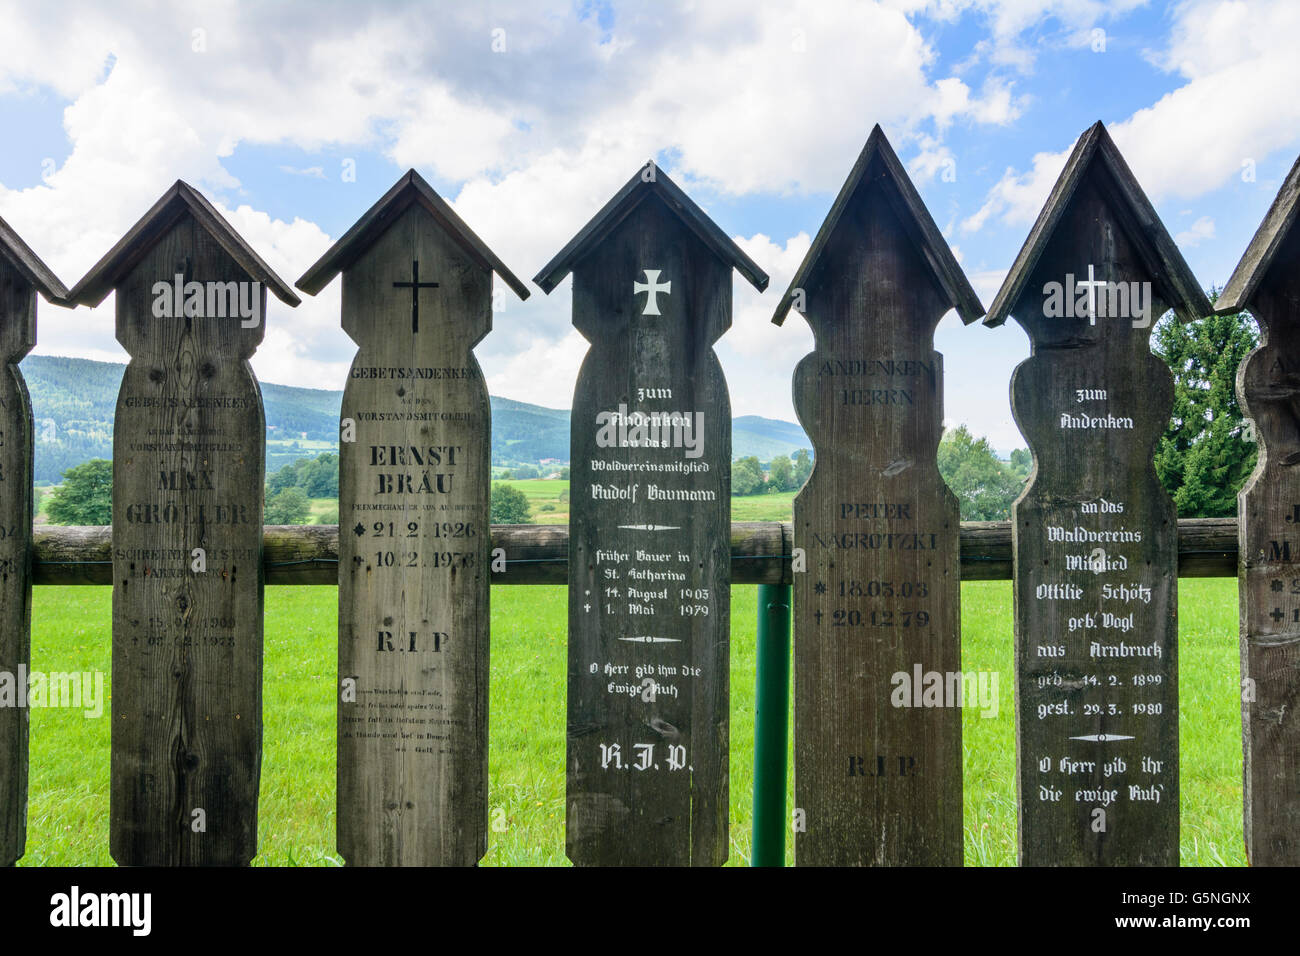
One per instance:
(74, 400)
(766, 437)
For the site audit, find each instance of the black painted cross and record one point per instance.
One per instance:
(415, 285)
(413, 634)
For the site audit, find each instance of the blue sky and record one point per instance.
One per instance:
(528, 115)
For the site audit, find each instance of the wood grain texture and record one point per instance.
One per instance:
(539, 554)
(189, 455)
(878, 767)
(1268, 388)
(413, 555)
(648, 680)
(17, 336)
(1096, 555)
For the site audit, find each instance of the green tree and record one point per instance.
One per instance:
(287, 477)
(746, 477)
(288, 507)
(86, 495)
(320, 476)
(1204, 457)
(780, 474)
(984, 486)
(509, 505)
(803, 466)
(1022, 463)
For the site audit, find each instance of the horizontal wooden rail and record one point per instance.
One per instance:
(539, 554)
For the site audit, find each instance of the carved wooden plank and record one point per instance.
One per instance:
(878, 762)
(649, 569)
(1268, 386)
(1095, 535)
(539, 554)
(22, 276)
(188, 453)
(414, 482)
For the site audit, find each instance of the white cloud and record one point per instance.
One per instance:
(1018, 197)
(1020, 29)
(313, 172)
(538, 136)
(543, 373)
(1200, 230)
(1197, 137)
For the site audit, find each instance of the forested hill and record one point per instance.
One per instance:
(73, 402)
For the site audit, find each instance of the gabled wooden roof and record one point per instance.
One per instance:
(1170, 272)
(1258, 257)
(915, 217)
(637, 189)
(411, 188)
(30, 266)
(181, 198)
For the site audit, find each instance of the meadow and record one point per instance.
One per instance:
(69, 802)
(549, 501)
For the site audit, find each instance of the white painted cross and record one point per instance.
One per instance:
(1092, 285)
(652, 287)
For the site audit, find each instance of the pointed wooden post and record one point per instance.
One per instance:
(878, 760)
(1095, 535)
(649, 544)
(1267, 282)
(189, 448)
(414, 542)
(22, 276)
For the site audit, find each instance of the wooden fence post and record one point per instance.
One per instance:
(1095, 535)
(22, 276)
(878, 759)
(1268, 509)
(649, 565)
(189, 447)
(414, 484)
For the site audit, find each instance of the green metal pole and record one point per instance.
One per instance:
(771, 717)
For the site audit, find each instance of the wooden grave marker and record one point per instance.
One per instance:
(189, 448)
(22, 276)
(878, 757)
(414, 543)
(1095, 535)
(649, 545)
(1266, 282)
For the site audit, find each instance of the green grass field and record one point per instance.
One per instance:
(68, 818)
(542, 492)
(555, 493)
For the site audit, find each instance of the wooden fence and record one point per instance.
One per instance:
(874, 555)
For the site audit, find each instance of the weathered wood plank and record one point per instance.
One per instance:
(1268, 386)
(539, 554)
(188, 452)
(1095, 534)
(17, 336)
(878, 766)
(415, 475)
(649, 575)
